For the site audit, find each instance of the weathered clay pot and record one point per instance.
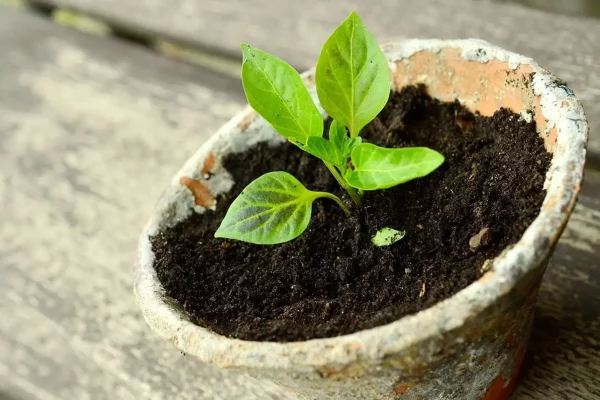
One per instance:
(469, 346)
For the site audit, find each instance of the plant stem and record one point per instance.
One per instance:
(336, 199)
(353, 134)
(351, 191)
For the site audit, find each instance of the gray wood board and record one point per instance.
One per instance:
(295, 30)
(91, 131)
(563, 361)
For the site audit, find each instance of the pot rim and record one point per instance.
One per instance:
(560, 108)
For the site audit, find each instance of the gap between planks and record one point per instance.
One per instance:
(220, 61)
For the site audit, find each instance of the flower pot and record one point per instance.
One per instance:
(469, 346)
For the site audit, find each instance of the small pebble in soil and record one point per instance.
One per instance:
(487, 265)
(481, 239)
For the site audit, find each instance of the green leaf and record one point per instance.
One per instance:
(336, 150)
(324, 149)
(276, 91)
(338, 136)
(350, 145)
(274, 208)
(387, 236)
(381, 168)
(353, 81)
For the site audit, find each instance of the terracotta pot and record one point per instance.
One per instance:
(469, 346)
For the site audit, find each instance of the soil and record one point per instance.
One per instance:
(332, 280)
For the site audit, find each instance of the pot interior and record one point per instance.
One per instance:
(483, 87)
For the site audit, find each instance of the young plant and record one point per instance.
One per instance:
(353, 86)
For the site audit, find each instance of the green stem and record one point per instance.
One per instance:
(351, 191)
(353, 134)
(334, 198)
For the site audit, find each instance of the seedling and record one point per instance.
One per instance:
(353, 86)
(387, 236)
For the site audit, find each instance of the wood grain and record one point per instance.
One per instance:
(563, 361)
(91, 131)
(295, 30)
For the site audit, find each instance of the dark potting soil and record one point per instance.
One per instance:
(332, 280)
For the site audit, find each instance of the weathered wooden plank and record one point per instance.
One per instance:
(571, 7)
(567, 46)
(564, 355)
(90, 132)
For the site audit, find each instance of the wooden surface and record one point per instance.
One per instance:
(295, 30)
(563, 361)
(91, 129)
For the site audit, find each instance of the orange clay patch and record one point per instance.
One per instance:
(355, 346)
(202, 195)
(209, 164)
(510, 337)
(550, 203)
(487, 276)
(401, 388)
(483, 87)
(497, 391)
(501, 388)
(245, 123)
